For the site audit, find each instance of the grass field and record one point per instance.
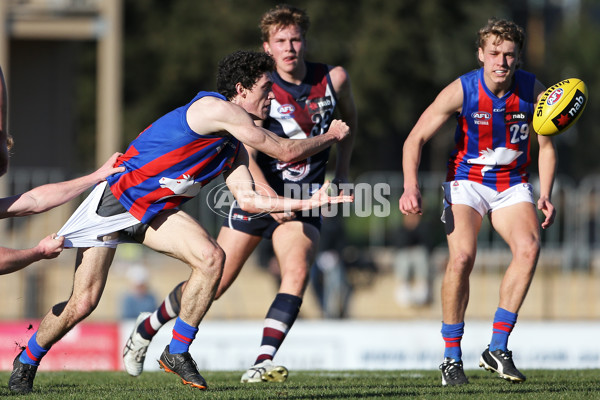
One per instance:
(541, 384)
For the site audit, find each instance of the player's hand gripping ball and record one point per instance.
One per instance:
(560, 107)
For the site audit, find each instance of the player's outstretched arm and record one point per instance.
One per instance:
(211, 115)
(261, 185)
(240, 183)
(288, 150)
(12, 260)
(447, 103)
(46, 197)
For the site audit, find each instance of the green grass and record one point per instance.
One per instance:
(541, 384)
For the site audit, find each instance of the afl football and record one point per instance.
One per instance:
(560, 107)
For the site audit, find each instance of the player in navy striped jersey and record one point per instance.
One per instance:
(487, 175)
(165, 166)
(306, 96)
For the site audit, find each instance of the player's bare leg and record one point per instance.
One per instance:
(519, 227)
(462, 226)
(180, 236)
(238, 246)
(88, 283)
(91, 272)
(295, 245)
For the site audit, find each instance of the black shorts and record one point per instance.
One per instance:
(109, 206)
(263, 225)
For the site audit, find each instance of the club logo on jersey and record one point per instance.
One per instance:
(513, 117)
(294, 172)
(555, 96)
(481, 117)
(185, 186)
(491, 157)
(319, 105)
(286, 111)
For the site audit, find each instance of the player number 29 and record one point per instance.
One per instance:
(519, 132)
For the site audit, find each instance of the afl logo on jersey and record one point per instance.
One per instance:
(286, 110)
(555, 96)
(481, 117)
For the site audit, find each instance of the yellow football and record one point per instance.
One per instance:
(560, 107)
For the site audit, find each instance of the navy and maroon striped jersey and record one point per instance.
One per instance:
(299, 112)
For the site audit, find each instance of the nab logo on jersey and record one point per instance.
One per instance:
(319, 105)
(512, 117)
(286, 110)
(481, 117)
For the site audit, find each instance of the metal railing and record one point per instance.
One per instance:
(574, 235)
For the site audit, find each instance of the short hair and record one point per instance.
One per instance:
(504, 29)
(281, 16)
(245, 67)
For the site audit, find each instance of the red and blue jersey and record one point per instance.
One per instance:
(493, 133)
(299, 112)
(168, 163)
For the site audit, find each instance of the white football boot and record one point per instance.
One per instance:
(265, 371)
(135, 349)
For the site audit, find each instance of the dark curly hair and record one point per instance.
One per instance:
(245, 67)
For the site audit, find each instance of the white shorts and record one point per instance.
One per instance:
(482, 198)
(86, 228)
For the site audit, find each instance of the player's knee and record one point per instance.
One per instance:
(528, 250)
(84, 306)
(461, 262)
(211, 262)
(74, 311)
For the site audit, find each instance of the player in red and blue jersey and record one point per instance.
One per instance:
(306, 95)
(487, 175)
(164, 166)
(492, 132)
(171, 150)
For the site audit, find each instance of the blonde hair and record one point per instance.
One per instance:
(281, 16)
(503, 29)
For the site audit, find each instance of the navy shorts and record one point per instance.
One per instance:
(263, 225)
